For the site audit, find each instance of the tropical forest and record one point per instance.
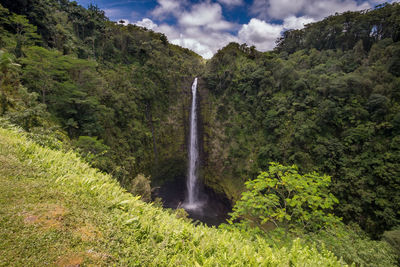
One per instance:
(120, 148)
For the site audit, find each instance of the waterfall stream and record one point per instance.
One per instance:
(200, 201)
(192, 201)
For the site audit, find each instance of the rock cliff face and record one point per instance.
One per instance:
(215, 171)
(171, 136)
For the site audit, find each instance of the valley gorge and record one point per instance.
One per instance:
(216, 142)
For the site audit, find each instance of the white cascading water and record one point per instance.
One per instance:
(192, 201)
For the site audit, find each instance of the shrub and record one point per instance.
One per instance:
(141, 186)
(282, 197)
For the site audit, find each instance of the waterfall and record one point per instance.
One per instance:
(192, 201)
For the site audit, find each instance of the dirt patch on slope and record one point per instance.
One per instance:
(49, 216)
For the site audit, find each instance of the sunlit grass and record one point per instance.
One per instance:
(56, 210)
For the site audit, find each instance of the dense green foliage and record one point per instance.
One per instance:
(71, 214)
(117, 91)
(352, 245)
(333, 110)
(283, 198)
(281, 205)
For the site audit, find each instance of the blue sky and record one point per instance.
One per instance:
(205, 26)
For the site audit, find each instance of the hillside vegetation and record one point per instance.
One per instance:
(57, 210)
(327, 99)
(119, 93)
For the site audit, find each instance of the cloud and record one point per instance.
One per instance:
(321, 9)
(167, 7)
(231, 2)
(195, 45)
(260, 33)
(293, 22)
(205, 14)
(147, 23)
(268, 8)
(202, 41)
(169, 31)
(316, 9)
(200, 27)
(263, 35)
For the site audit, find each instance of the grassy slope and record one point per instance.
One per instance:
(56, 210)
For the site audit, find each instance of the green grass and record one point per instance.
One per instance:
(56, 210)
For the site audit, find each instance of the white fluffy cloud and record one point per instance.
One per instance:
(293, 22)
(202, 41)
(195, 45)
(260, 33)
(316, 9)
(205, 14)
(166, 7)
(147, 23)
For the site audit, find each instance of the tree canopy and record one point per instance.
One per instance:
(281, 197)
